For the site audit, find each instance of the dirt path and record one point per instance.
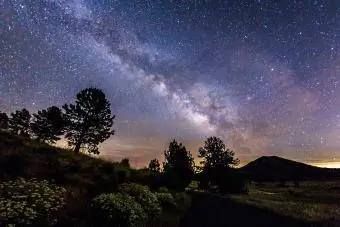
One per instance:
(210, 210)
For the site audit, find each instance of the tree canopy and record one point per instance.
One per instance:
(154, 165)
(178, 166)
(214, 153)
(4, 120)
(48, 124)
(19, 123)
(89, 120)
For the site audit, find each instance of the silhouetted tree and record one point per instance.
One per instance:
(89, 120)
(19, 123)
(154, 165)
(4, 120)
(218, 162)
(125, 162)
(48, 124)
(215, 153)
(178, 166)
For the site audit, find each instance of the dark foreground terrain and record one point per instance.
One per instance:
(313, 203)
(213, 210)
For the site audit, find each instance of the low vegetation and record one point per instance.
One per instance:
(312, 201)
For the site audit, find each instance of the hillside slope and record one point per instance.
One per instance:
(29, 159)
(273, 168)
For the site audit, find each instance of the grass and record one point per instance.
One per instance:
(312, 201)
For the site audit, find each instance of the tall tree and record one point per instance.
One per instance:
(178, 166)
(125, 162)
(3, 120)
(215, 153)
(19, 123)
(48, 124)
(89, 120)
(218, 162)
(154, 165)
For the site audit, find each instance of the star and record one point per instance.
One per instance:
(262, 81)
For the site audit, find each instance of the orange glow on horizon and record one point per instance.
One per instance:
(326, 164)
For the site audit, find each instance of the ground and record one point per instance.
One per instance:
(312, 204)
(313, 201)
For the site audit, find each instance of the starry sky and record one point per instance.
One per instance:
(263, 75)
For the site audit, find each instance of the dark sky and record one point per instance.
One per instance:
(263, 75)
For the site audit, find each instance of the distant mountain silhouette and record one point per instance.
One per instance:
(274, 168)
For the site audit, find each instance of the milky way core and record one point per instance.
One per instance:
(263, 75)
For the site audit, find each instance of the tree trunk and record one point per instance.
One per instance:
(77, 148)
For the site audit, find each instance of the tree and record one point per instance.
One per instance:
(154, 165)
(218, 162)
(3, 120)
(19, 123)
(125, 162)
(178, 166)
(48, 124)
(89, 120)
(215, 153)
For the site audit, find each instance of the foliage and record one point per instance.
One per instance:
(144, 196)
(48, 124)
(166, 199)
(154, 180)
(19, 123)
(3, 120)
(118, 210)
(218, 162)
(215, 153)
(125, 162)
(89, 120)
(29, 201)
(154, 165)
(178, 166)
(163, 189)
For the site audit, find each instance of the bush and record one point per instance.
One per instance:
(117, 210)
(166, 199)
(144, 196)
(163, 190)
(30, 202)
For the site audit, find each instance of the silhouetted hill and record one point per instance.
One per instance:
(274, 168)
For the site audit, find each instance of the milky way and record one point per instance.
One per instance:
(263, 75)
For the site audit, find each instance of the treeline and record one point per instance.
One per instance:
(84, 124)
(216, 172)
(88, 122)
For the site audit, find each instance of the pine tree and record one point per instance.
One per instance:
(154, 165)
(4, 120)
(218, 162)
(125, 162)
(89, 120)
(178, 166)
(19, 123)
(48, 124)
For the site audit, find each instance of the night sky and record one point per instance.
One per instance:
(263, 75)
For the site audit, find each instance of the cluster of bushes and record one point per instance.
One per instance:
(135, 204)
(24, 202)
(40, 203)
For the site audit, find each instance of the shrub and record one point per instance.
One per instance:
(30, 202)
(163, 189)
(144, 196)
(118, 210)
(166, 199)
